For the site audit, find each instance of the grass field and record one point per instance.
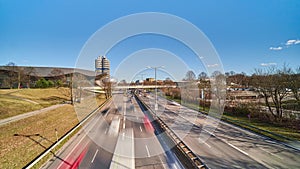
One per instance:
(17, 151)
(23, 140)
(18, 101)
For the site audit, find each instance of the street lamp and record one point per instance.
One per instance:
(155, 68)
(142, 75)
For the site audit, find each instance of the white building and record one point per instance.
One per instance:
(102, 65)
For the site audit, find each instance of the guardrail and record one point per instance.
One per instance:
(43, 154)
(180, 145)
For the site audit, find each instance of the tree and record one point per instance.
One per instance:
(58, 75)
(11, 67)
(190, 76)
(29, 75)
(107, 86)
(232, 73)
(123, 82)
(204, 86)
(218, 90)
(202, 76)
(215, 74)
(272, 83)
(294, 84)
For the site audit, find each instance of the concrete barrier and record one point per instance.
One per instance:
(182, 151)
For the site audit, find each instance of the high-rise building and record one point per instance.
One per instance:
(102, 65)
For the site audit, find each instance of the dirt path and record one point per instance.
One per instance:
(29, 114)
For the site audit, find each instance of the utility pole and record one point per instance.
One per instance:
(155, 69)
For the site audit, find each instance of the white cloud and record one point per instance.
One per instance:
(213, 65)
(276, 48)
(287, 44)
(292, 42)
(268, 64)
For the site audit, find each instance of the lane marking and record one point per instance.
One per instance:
(94, 156)
(148, 153)
(207, 145)
(124, 124)
(89, 127)
(236, 148)
(141, 129)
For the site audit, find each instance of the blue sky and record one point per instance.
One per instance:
(246, 34)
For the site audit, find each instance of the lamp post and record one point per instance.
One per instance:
(142, 75)
(155, 68)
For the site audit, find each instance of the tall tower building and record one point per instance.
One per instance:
(102, 65)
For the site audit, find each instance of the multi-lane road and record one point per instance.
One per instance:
(120, 135)
(227, 146)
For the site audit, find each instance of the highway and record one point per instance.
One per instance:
(228, 146)
(118, 136)
(121, 135)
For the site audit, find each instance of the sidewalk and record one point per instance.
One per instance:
(29, 114)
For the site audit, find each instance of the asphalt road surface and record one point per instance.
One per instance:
(226, 147)
(118, 136)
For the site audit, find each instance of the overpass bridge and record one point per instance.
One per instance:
(99, 89)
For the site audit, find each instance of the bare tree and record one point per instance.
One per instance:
(29, 75)
(218, 90)
(272, 83)
(103, 81)
(204, 87)
(294, 84)
(11, 68)
(190, 76)
(232, 73)
(239, 79)
(58, 76)
(202, 76)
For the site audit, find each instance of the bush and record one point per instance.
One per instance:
(42, 83)
(59, 83)
(50, 83)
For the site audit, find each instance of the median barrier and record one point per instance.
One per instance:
(182, 151)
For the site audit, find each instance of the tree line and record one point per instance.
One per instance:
(279, 87)
(14, 76)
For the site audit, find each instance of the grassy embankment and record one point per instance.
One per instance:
(268, 129)
(18, 101)
(23, 140)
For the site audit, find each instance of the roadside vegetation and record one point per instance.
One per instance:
(270, 110)
(23, 140)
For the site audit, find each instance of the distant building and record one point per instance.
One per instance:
(102, 65)
(150, 79)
